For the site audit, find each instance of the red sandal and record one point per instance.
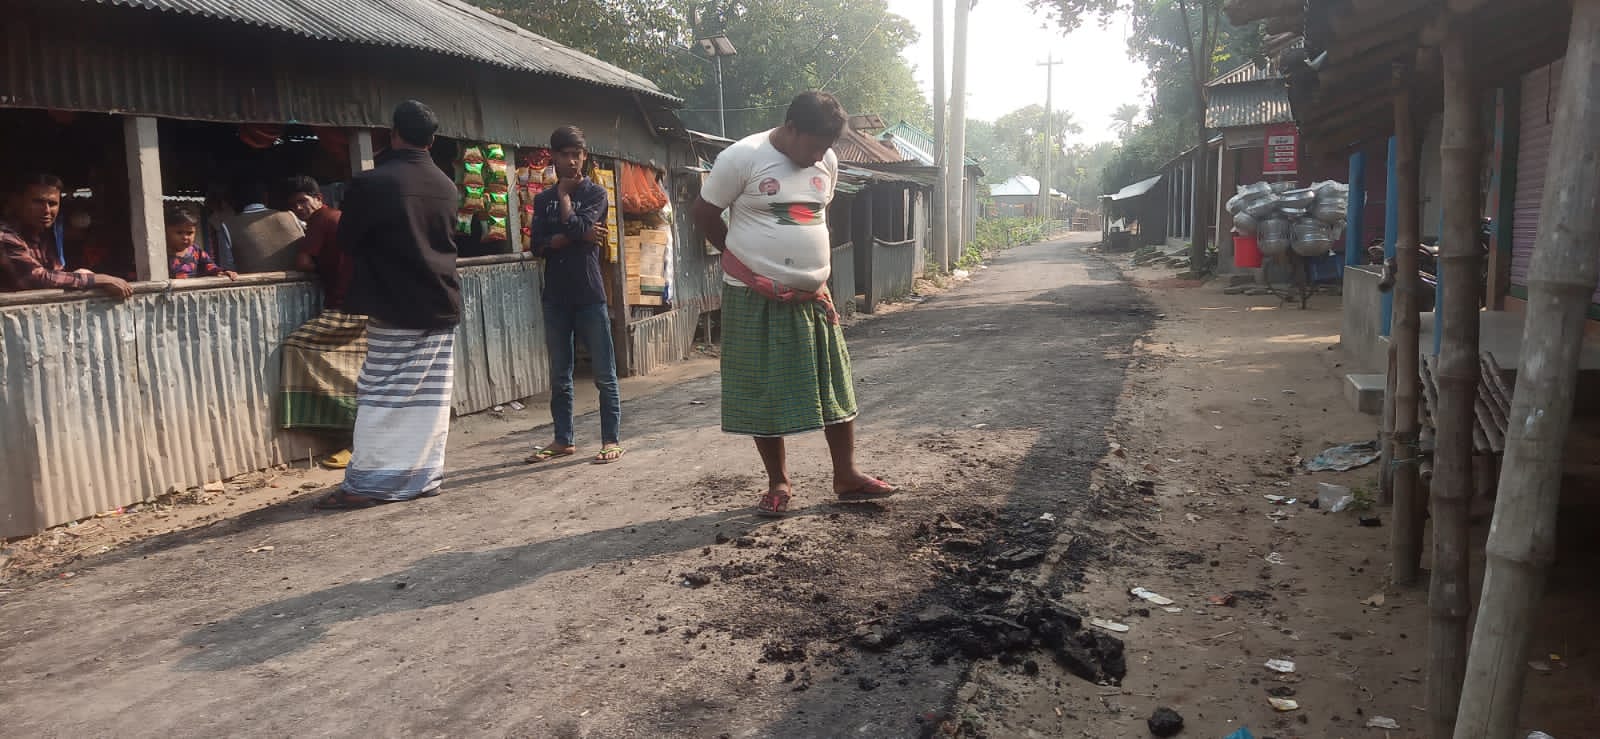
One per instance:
(774, 504)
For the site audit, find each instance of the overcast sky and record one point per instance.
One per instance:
(1006, 40)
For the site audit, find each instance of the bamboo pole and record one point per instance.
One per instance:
(1561, 277)
(1386, 445)
(1449, 599)
(1405, 543)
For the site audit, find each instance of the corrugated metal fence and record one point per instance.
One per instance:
(104, 404)
(660, 341)
(893, 271)
(500, 345)
(842, 278)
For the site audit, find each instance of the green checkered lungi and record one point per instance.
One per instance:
(785, 369)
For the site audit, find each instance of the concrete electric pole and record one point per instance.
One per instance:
(955, 187)
(941, 230)
(1046, 209)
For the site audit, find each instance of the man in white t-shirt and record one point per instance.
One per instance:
(785, 368)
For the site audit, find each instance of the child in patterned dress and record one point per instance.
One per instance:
(187, 258)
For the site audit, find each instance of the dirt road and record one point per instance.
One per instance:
(642, 599)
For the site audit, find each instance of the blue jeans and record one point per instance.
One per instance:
(591, 324)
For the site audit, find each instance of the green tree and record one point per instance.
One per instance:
(999, 161)
(1125, 119)
(1025, 132)
(1183, 42)
(851, 49)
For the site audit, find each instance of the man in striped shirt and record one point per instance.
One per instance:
(25, 263)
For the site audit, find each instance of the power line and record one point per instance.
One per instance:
(859, 47)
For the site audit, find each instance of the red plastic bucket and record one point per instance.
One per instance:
(1245, 251)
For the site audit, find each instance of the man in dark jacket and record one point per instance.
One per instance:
(568, 230)
(396, 227)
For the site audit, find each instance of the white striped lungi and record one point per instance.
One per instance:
(402, 413)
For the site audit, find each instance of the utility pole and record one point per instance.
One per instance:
(722, 111)
(717, 47)
(1045, 206)
(956, 191)
(941, 159)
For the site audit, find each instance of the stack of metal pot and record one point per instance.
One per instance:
(1281, 217)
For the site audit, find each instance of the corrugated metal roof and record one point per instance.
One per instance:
(448, 27)
(921, 142)
(137, 62)
(1018, 185)
(1247, 72)
(1136, 189)
(1248, 104)
(856, 147)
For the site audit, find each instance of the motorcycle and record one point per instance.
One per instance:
(1428, 265)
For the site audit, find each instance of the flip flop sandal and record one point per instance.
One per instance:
(609, 454)
(869, 491)
(545, 454)
(340, 500)
(774, 504)
(337, 461)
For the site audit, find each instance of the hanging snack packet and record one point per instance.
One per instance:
(474, 200)
(497, 229)
(472, 173)
(494, 172)
(499, 204)
(464, 222)
(494, 152)
(472, 154)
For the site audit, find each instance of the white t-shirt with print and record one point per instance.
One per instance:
(777, 224)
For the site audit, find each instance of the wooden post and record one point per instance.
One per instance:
(1227, 181)
(361, 156)
(1502, 194)
(1561, 277)
(141, 139)
(1449, 602)
(1405, 543)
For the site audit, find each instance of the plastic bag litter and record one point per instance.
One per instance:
(1344, 457)
(1334, 498)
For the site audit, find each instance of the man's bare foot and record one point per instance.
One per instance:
(861, 486)
(775, 502)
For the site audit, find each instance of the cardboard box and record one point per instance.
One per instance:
(656, 236)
